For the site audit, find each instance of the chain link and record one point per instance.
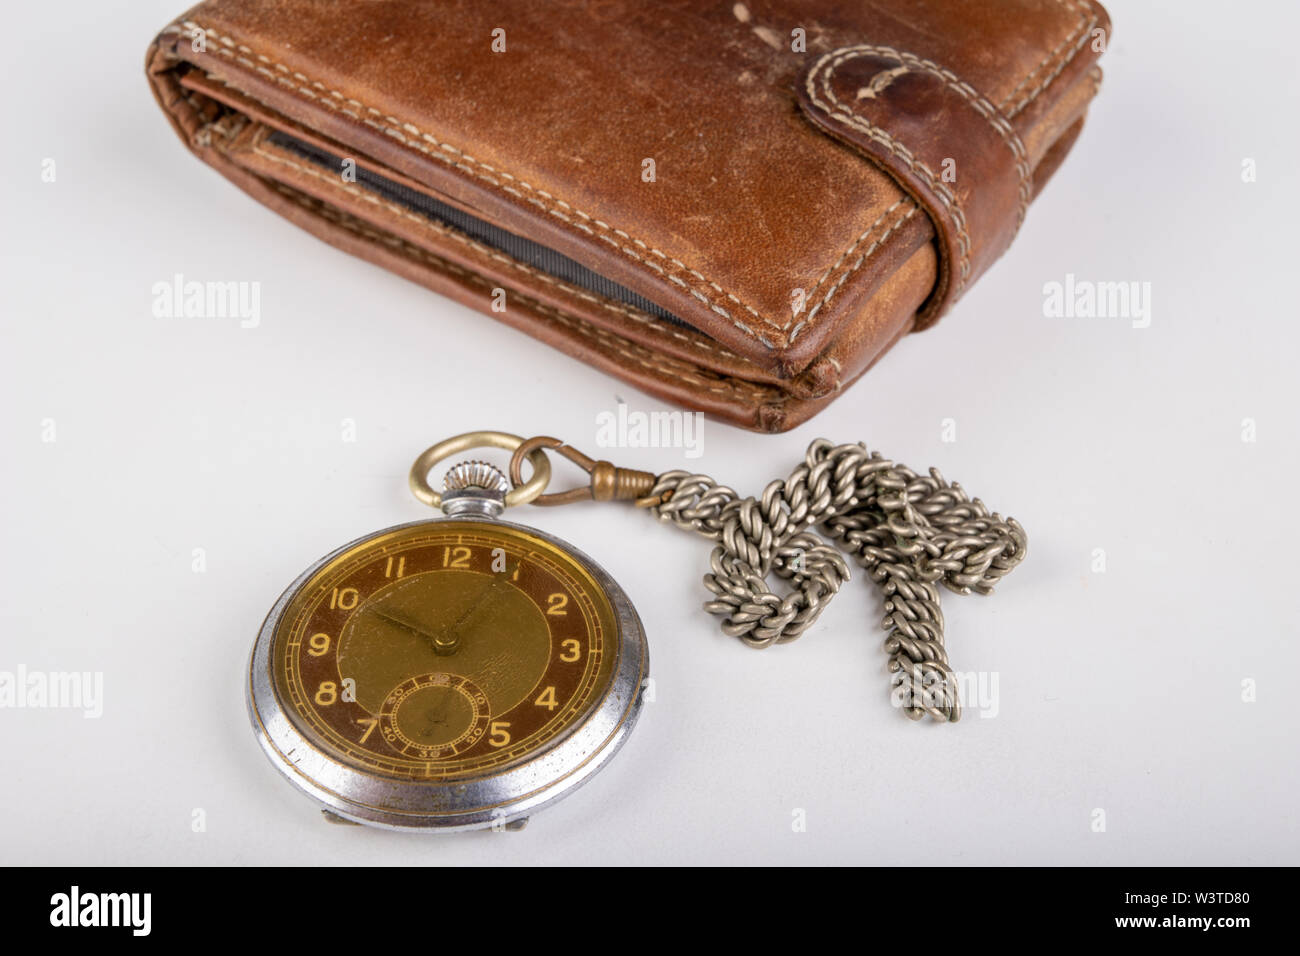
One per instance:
(910, 532)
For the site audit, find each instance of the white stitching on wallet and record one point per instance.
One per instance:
(1082, 28)
(642, 318)
(695, 376)
(227, 48)
(1076, 40)
(228, 45)
(838, 111)
(894, 227)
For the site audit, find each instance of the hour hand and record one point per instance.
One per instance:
(440, 641)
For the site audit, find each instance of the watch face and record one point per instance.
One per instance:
(444, 651)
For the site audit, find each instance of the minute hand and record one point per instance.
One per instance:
(475, 604)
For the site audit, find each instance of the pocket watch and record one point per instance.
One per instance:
(464, 672)
(449, 674)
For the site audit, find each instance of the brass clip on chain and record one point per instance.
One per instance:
(608, 481)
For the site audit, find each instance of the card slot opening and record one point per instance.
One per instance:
(531, 253)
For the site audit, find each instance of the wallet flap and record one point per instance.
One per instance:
(928, 125)
(945, 143)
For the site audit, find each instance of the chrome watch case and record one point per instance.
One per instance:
(501, 799)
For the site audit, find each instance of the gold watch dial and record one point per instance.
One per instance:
(444, 650)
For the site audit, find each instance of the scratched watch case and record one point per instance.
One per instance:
(496, 799)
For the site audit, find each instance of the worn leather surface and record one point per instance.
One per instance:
(808, 208)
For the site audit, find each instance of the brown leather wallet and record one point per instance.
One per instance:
(735, 206)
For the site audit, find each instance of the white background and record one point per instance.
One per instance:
(1119, 691)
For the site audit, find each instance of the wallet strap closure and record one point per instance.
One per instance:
(945, 143)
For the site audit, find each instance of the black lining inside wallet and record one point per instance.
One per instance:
(533, 254)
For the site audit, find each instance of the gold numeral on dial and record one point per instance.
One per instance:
(318, 645)
(345, 598)
(369, 723)
(556, 604)
(572, 650)
(327, 693)
(499, 733)
(547, 699)
(455, 557)
(395, 568)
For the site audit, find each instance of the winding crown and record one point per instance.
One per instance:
(475, 474)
